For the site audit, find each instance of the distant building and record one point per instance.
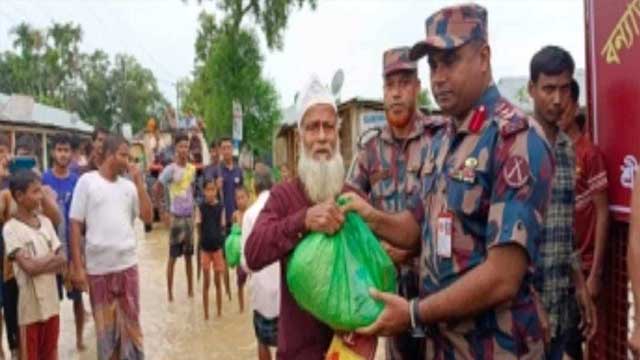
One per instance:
(22, 117)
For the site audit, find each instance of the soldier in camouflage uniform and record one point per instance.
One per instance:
(485, 183)
(386, 171)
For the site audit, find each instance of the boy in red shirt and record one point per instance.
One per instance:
(592, 206)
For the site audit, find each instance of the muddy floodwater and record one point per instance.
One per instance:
(177, 330)
(172, 330)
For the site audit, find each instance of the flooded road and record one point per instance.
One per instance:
(177, 330)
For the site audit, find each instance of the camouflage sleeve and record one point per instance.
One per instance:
(358, 176)
(416, 207)
(523, 169)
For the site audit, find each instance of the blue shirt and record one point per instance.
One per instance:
(231, 180)
(64, 190)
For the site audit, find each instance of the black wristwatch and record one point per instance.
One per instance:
(417, 326)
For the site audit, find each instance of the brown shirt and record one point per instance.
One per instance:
(277, 231)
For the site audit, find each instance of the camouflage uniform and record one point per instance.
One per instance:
(490, 176)
(386, 171)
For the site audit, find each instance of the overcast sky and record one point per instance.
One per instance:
(347, 34)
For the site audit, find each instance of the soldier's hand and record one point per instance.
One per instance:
(394, 319)
(356, 203)
(324, 217)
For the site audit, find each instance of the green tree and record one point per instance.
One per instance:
(48, 65)
(228, 67)
(270, 16)
(233, 71)
(135, 92)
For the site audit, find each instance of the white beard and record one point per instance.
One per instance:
(322, 179)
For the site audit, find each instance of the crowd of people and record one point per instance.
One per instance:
(69, 230)
(496, 220)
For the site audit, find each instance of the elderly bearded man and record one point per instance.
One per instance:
(297, 207)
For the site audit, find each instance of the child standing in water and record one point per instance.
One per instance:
(242, 203)
(210, 222)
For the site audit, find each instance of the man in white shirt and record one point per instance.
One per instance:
(264, 284)
(106, 204)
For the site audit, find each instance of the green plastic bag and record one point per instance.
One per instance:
(232, 246)
(330, 275)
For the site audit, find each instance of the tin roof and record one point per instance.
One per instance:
(23, 110)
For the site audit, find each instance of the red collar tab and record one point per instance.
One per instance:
(478, 118)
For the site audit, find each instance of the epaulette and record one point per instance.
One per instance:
(510, 120)
(367, 136)
(435, 121)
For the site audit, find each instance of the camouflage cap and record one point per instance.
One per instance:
(452, 27)
(397, 59)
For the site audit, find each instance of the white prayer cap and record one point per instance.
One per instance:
(313, 93)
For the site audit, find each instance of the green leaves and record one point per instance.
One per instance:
(48, 65)
(231, 70)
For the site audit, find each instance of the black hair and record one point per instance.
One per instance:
(20, 181)
(575, 91)
(208, 180)
(76, 141)
(551, 60)
(243, 189)
(97, 130)
(180, 137)
(62, 138)
(214, 144)
(225, 139)
(112, 143)
(581, 121)
(26, 142)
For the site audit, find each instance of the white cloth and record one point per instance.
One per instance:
(108, 210)
(264, 284)
(314, 93)
(38, 299)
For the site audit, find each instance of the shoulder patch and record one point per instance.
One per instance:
(368, 136)
(510, 119)
(435, 121)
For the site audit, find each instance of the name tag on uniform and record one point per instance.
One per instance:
(445, 230)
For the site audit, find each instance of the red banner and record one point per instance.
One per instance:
(613, 43)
